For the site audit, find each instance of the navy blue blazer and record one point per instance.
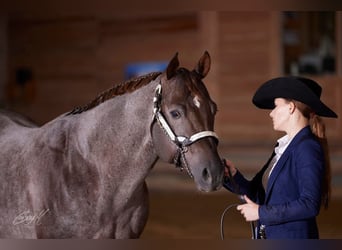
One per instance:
(291, 202)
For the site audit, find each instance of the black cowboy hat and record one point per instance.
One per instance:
(300, 89)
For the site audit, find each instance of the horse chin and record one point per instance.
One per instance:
(208, 176)
(206, 187)
(206, 190)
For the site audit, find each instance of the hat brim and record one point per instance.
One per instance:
(290, 88)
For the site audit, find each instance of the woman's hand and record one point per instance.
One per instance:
(249, 210)
(229, 168)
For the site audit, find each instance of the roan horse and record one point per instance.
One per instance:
(82, 175)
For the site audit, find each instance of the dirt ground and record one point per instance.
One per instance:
(178, 211)
(190, 215)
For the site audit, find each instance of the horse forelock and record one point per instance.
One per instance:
(194, 83)
(197, 88)
(119, 89)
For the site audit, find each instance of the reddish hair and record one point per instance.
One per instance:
(318, 129)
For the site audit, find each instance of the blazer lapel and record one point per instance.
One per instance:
(276, 170)
(281, 162)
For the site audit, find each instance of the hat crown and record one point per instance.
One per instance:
(312, 85)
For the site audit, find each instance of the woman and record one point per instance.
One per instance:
(286, 194)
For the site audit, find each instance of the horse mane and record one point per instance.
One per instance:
(119, 89)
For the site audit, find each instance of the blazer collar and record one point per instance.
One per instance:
(306, 131)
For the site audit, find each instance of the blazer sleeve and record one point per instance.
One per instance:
(240, 185)
(252, 188)
(308, 161)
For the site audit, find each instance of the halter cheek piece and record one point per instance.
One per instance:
(181, 142)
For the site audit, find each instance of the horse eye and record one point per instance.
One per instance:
(175, 114)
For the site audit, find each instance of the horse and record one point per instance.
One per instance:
(82, 174)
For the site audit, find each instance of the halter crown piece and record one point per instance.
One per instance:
(181, 142)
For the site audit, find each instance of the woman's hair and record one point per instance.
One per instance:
(318, 129)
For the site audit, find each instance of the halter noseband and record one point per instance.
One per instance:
(181, 142)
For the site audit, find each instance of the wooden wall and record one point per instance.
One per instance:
(73, 58)
(249, 53)
(3, 57)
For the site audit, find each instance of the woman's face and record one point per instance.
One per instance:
(281, 114)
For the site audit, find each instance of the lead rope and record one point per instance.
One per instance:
(253, 232)
(222, 218)
(242, 199)
(185, 163)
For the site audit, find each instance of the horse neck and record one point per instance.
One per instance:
(115, 135)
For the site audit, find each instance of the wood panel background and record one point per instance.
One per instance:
(74, 57)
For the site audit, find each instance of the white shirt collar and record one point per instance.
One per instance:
(283, 142)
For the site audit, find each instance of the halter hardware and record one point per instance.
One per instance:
(181, 142)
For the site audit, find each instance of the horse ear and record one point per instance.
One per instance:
(172, 67)
(203, 65)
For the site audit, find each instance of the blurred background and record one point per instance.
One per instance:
(55, 57)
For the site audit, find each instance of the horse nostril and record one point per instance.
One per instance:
(206, 175)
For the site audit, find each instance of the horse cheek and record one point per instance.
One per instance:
(162, 145)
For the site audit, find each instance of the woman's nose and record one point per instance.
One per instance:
(271, 114)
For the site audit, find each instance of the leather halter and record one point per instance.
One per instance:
(181, 142)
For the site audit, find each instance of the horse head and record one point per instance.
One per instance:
(185, 114)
